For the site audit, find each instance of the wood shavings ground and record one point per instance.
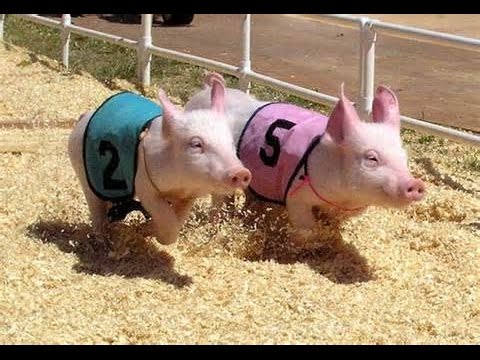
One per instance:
(386, 277)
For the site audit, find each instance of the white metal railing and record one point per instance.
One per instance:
(2, 19)
(368, 29)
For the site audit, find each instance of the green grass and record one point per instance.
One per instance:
(426, 139)
(473, 161)
(106, 61)
(36, 38)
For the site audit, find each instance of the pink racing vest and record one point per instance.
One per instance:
(275, 145)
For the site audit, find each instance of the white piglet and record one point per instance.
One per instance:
(131, 154)
(306, 161)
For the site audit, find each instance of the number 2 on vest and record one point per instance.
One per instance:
(273, 142)
(108, 182)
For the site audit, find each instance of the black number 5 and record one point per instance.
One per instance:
(272, 140)
(108, 182)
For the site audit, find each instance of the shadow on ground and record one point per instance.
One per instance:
(331, 257)
(325, 251)
(143, 261)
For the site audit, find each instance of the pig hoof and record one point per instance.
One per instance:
(117, 255)
(302, 237)
(101, 233)
(166, 240)
(101, 236)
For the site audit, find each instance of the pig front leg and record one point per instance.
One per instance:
(165, 221)
(300, 211)
(167, 216)
(182, 208)
(303, 221)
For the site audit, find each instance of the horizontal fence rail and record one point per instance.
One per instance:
(409, 32)
(368, 29)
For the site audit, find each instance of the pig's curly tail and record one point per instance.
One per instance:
(211, 77)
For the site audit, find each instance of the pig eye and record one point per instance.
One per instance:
(371, 159)
(196, 145)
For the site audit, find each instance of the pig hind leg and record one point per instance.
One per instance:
(97, 207)
(98, 211)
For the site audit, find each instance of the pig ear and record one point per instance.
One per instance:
(343, 118)
(385, 108)
(170, 112)
(217, 94)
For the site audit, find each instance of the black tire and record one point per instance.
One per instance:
(60, 15)
(129, 18)
(177, 19)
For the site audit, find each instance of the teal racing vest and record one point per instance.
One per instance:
(111, 141)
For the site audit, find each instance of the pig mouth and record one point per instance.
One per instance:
(223, 189)
(393, 198)
(218, 187)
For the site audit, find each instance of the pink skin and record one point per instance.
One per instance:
(209, 161)
(373, 151)
(386, 109)
(357, 163)
(182, 156)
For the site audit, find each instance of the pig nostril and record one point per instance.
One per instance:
(240, 178)
(410, 189)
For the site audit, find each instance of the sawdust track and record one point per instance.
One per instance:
(389, 276)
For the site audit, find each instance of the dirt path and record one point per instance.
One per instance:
(434, 83)
(460, 24)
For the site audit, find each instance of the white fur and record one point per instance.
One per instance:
(239, 106)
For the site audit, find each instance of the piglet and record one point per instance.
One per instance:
(131, 154)
(338, 165)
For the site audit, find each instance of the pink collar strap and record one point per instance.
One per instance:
(306, 180)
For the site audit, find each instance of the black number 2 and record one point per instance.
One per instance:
(108, 182)
(272, 140)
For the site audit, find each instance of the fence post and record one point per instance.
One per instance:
(66, 20)
(245, 65)
(144, 55)
(2, 23)
(368, 36)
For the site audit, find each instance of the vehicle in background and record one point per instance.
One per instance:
(166, 19)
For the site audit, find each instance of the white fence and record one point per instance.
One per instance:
(368, 29)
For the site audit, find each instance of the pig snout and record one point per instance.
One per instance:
(238, 178)
(412, 190)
